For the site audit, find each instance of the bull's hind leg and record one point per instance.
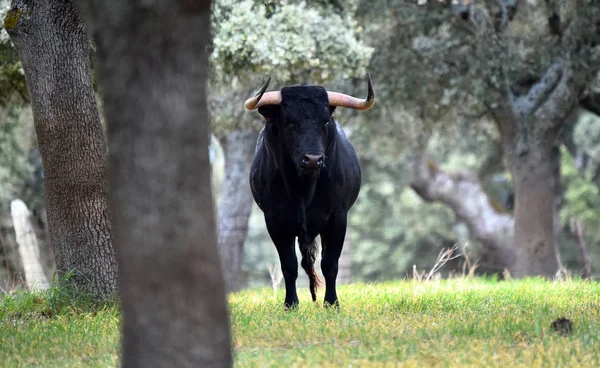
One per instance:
(284, 243)
(332, 239)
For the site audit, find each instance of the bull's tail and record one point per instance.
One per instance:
(309, 256)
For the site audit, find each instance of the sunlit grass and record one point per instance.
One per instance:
(455, 323)
(448, 323)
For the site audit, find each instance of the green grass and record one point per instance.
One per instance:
(58, 328)
(455, 323)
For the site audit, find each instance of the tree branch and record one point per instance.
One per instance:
(464, 195)
(529, 103)
(577, 42)
(561, 101)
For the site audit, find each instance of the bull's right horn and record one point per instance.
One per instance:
(261, 98)
(343, 100)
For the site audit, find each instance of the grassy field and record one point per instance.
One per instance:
(454, 323)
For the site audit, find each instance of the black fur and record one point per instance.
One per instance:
(301, 203)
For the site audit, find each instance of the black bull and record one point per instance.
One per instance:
(305, 177)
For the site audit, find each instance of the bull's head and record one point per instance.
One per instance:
(302, 117)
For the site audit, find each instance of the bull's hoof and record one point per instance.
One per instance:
(335, 305)
(290, 306)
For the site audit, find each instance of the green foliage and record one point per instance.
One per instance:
(391, 228)
(581, 203)
(20, 177)
(587, 135)
(12, 17)
(16, 140)
(582, 196)
(4, 7)
(420, 63)
(293, 42)
(12, 77)
(432, 56)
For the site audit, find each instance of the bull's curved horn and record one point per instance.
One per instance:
(343, 100)
(261, 98)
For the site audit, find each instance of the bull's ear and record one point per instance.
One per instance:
(331, 110)
(269, 112)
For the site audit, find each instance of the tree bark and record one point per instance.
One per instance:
(54, 49)
(236, 201)
(29, 250)
(153, 69)
(465, 196)
(536, 177)
(529, 125)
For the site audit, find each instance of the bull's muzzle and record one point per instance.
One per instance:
(312, 162)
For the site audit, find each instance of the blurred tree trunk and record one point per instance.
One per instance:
(463, 193)
(54, 49)
(529, 124)
(153, 69)
(577, 228)
(536, 177)
(236, 201)
(345, 263)
(29, 250)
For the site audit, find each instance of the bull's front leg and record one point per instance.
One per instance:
(332, 238)
(284, 243)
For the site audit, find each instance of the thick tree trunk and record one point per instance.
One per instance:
(153, 68)
(536, 177)
(529, 119)
(236, 201)
(465, 196)
(529, 125)
(54, 50)
(29, 250)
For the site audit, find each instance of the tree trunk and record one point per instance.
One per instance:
(536, 177)
(345, 262)
(54, 49)
(29, 250)
(236, 201)
(153, 69)
(529, 119)
(465, 196)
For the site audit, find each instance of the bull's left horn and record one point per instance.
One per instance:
(261, 98)
(343, 100)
